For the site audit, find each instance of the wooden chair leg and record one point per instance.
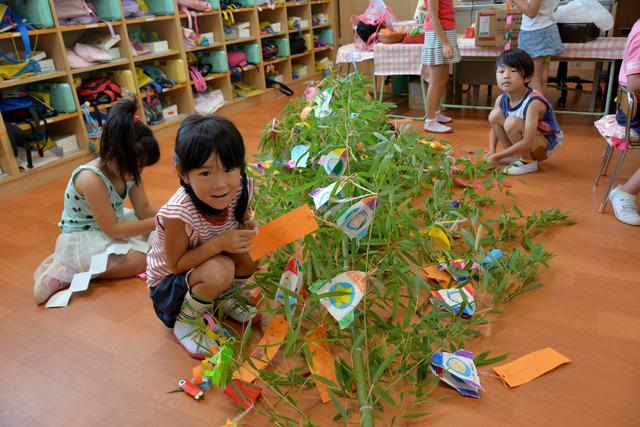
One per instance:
(605, 200)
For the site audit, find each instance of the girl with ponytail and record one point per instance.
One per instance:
(199, 257)
(94, 216)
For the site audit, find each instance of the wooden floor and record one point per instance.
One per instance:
(106, 360)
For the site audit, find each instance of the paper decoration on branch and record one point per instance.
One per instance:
(265, 351)
(321, 363)
(457, 370)
(217, 366)
(323, 103)
(355, 220)
(322, 195)
(281, 231)
(436, 145)
(438, 235)
(507, 32)
(190, 389)
(458, 297)
(351, 285)
(530, 366)
(291, 279)
(300, 156)
(335, 163)
(434, 273)
(250, 393)
(80, 281)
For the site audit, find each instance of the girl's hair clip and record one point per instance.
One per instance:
(136, 119)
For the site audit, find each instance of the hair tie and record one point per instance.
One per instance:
(136, 119)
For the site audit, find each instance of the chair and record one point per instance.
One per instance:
(628, 104)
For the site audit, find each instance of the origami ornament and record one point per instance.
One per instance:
(222, 360)
(310, 93)
(440, 236)
(300, 156)
(456, 298)
(457, 370)
(305, 113)
(291, 279)
(434, 273)
(323, 102)
(250, 393)
(322, 195)
(490, 260)
(342, 307)
(335, 163)
(355, 220)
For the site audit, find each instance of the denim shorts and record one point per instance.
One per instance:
(542, 42)
(622, 120)
(167, 297)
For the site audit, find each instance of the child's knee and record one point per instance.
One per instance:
(496, 117)
(217, 272)
(513, 125)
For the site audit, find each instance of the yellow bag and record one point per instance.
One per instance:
(143, 79)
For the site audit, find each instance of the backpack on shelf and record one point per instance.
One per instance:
(98, 91)
(151, 104)
(22, 109)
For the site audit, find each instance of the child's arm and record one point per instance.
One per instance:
(180, 258)
(536, 110)
(493, 138)
(140, 203)
(433, 8)
(529, 8)
(92, 188)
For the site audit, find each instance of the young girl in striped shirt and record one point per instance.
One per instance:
(199, 256)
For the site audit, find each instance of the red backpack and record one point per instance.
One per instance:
(98, 91)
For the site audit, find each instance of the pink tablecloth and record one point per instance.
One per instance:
(348, 54)
(401, 59)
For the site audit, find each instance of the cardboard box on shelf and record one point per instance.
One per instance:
(159, 46)
(114, 53)
(491, 27)
(243, 29)
(68, 144)
(208, 36)
(47, 65)
(170, 112)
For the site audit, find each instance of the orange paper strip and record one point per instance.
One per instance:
(197, 375)
(281, 231)
(434, 273)
(267, 348)
(322, 358)
(530, 366)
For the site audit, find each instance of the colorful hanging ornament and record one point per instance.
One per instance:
(300, 156)
(342, 307)
(458, 370)
(355, 220)
(322, 195)
(507, 32)
(457, 297)
(335, 163)
(291, 279)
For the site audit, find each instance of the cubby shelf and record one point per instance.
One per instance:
(55, 40)
(51, 120)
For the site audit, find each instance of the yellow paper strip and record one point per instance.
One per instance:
(267, 348)
(530, 366)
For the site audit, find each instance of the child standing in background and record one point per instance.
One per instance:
(539, 37)
(94, 216)
(440, 51)
(199, 256)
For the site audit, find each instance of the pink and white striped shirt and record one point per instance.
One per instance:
(198, 228)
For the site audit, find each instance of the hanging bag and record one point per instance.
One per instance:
(10, 19)
(367, 25)
(199, 83)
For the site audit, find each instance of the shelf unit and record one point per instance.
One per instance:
(55, 40)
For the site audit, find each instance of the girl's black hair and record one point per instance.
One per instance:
(198, 138)
(127, 140)
(518, 59)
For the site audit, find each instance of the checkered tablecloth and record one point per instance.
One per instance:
(406, 59)
(348, 54)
